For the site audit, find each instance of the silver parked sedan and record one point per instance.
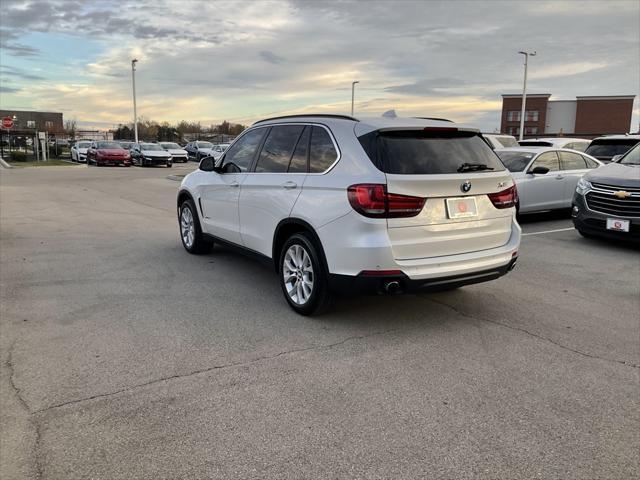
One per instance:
(546, 177)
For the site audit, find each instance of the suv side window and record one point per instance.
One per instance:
(547, 159)
(590, 163)
(572, 161)
(322, 153)
(278, 149)
(239, 157)
(298, 163)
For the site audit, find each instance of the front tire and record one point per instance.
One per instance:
(193, 240)
(303, 277)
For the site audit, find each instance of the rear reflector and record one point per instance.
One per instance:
(380, 273)
(505, 199)
(372, 200)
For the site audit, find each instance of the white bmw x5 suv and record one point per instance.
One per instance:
(340, 204)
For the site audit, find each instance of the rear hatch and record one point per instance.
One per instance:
(456, 172)
(604, 149)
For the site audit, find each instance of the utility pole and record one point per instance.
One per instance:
(524, 90)
(135, 109)
(353, 89)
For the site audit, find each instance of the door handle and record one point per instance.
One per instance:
(289, 185)
(234, 184)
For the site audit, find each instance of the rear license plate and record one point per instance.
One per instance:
(617, 225)
(462, 207)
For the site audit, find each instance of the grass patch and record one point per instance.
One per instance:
(48, 163)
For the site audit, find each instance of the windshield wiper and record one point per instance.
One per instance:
(473, 167)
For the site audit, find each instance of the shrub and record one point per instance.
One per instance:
(18, 157)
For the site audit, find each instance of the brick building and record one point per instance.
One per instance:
(29, 121)
(587, 116)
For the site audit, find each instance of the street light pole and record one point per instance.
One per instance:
(353, 88)
(135, 109)
(524, 90)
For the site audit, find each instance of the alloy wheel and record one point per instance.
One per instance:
(187, 227)
(298, 274)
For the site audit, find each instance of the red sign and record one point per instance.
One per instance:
(7, 122)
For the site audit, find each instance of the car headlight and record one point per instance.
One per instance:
(583, 186)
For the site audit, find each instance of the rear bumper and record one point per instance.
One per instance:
(395, 284)
(350, 251)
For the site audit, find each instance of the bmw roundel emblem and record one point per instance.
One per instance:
(466, 186)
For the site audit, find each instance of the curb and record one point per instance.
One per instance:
(4, 164)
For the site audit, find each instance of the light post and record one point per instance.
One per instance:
(135, 110)
(353, 89)
(15, 122)
(524, 90)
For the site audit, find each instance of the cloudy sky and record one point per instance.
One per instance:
(240, 61)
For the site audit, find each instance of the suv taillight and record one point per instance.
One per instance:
(372, 200)
(506, 198)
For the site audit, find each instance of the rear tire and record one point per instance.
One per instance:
(193, 240)
(303, 277)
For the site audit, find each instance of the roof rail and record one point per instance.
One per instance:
(436, 118)
(314, 115)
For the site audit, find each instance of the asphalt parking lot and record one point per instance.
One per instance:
(124, 357)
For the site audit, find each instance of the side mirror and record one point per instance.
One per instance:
(539, 171)
(208, 164)
(615, 158)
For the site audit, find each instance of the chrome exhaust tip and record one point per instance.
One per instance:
(392, 287)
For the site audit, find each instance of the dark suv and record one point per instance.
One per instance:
(608, 149)
(607, 199)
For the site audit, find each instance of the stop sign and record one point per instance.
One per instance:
(7, 122)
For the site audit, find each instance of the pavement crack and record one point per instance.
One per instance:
(217, 367)
(37, 464)
(14, 387)
(535, 335)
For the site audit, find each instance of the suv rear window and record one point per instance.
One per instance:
(609, 148)
(418, 152)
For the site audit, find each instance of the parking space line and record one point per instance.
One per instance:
(549, 231)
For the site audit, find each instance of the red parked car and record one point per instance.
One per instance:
(108, 153)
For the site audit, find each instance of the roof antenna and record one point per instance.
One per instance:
(390, 114)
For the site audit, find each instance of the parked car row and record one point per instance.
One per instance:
(143, 154)
(605, 148)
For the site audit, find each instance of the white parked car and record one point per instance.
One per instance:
(579, 144)
(340, 204)
(499, 140)
(178, 153)
(546, 176)
(148, 154)
(79, 151)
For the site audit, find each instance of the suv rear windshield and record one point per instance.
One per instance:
(418, 152)
(609, 148)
